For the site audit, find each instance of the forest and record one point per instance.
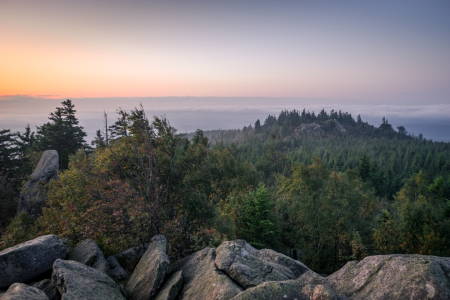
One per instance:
(324, 189)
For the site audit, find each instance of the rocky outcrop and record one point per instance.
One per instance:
(47, 167)
(202, 279)
(20, 291)
(151, 271)
(250, 267)
(25, 261)
(171, 288)
(274, 290)
(32, 194)
(89, 253)
(75, 280)
(48, 288)
(394, 277)
(235, 270)
(309, 130)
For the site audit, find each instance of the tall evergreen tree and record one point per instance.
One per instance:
(7, 152)
(62, 134)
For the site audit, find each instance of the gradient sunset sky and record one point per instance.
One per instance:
(366, 51)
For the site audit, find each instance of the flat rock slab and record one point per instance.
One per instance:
(75, 281)
(274, 290)
(394, 277)
(20, 291)
(47, 167)
(250, 267)
(202, 279)
(25, 261)
(150, 272)
(170, 289)
(89, 253)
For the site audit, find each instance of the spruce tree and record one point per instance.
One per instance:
(62, 134)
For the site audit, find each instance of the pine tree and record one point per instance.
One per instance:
(7, 152)
(62, 134)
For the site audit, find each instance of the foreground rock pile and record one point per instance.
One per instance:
(43, 268)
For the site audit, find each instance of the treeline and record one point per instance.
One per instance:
(389, 157)
(325, 200)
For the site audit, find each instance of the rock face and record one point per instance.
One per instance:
(171, 288)
(394, 277)
(48, 288)
(75, 280)
(250, 267)
(32, 192)
(89, 253)
(309, 130)
(150, 272)
(202, 279)
(47, 167)
(20, 291)
(274, 290)
(32, 198)
(27, 260)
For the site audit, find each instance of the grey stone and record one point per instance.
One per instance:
(309, 130)
(20, 291)
(32, 198)
(25, 261)
(129, 258)
(48, 288)
(47, 167)
(115, 269)
(89, 253)
(250, 267)
(202, 279)
(171, 288)
(151, 271)
(394, 277)
(273, 290)
(75, 280)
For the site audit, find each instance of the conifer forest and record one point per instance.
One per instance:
(323, 187)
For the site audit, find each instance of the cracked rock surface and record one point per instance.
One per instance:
(250, 267)
(202, 279)
(27, 260)
(75, 280)
(394, 277)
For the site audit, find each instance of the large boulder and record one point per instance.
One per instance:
(394, 277)
(75, 280)
(274, 290)
(250, 267)
(25, 261)
(89, 253)
(32, 198)
(32, 194)
(48, 288)
(151, 271)
(202, 279)
(171, 288)
(47, 167)
(20, 291)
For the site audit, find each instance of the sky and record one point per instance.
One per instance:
(236, 60)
